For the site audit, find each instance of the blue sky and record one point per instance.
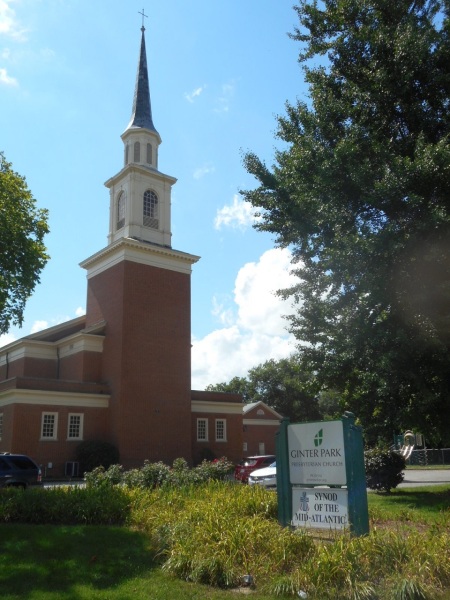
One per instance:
(219, 74)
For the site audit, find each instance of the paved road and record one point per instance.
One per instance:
(417, 477)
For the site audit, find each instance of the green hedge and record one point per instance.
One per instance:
(64, 506)
(153, 475)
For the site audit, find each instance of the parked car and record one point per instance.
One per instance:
(251, 463)
(266, 477)
(18, 470)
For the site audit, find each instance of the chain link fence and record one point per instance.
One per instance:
(432, 456)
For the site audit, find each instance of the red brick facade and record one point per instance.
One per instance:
(122, 373)
(123, 370)
(260, 424)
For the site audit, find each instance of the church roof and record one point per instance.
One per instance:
(141, 115)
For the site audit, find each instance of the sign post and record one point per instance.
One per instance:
(321, 479)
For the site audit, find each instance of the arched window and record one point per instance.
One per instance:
(120, 222)
(126, 155)
(149, 154)
(137, 152)
(151, 217)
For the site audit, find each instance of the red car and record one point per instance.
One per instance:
(251, 463)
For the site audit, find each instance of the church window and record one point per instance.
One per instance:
(126, 154)
(221, 430)
(151, 209)
(149, 154)
(75, 426)
(137, 152)
(202, 430)
(120, 210)
(49, 426)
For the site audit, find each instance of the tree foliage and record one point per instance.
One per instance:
(361, 196)
(281, 384)
(22, 251)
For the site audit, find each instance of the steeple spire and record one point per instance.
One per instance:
(141, 115)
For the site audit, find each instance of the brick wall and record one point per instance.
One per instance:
(146, 358)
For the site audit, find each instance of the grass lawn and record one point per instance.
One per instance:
(425, 506)
(39, 562)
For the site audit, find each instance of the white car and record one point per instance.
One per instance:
(266, 477)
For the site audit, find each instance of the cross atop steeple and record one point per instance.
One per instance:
(143, 16)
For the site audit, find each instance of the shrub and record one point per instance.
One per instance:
(95, 453)
(99, 477)
(154, 475)
(383, 469)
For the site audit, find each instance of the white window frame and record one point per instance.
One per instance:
(244, 447)
(81, 425)
(205, 425)
(262, 448)
(1, 425)
(223, 436)
(53, 437)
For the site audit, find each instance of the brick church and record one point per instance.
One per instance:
(122, 372)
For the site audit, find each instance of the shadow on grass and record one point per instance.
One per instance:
(43, 558)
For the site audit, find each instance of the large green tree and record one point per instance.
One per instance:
(22, 251)
(281, 384)
(361, 194)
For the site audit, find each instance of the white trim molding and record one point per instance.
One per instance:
(227, 408)
(139, 252)
(272, 423)
(46, 398)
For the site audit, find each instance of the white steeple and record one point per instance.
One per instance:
(140, 195)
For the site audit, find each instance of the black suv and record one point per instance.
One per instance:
(18, 470)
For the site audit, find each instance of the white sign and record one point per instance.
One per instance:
(316, 453)
(321, 508)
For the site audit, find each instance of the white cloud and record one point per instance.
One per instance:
(39, 326)
(190, 96)
(224, 100)
(80, 311)
(9, 25)
(224, 314)
(202, 171)
(238, 215)
(7, 79)
(258, 330)
(7, 338)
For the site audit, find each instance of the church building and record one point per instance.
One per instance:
(122, 372)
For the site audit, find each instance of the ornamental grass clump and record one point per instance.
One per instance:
(218, 532)
(372, 567)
